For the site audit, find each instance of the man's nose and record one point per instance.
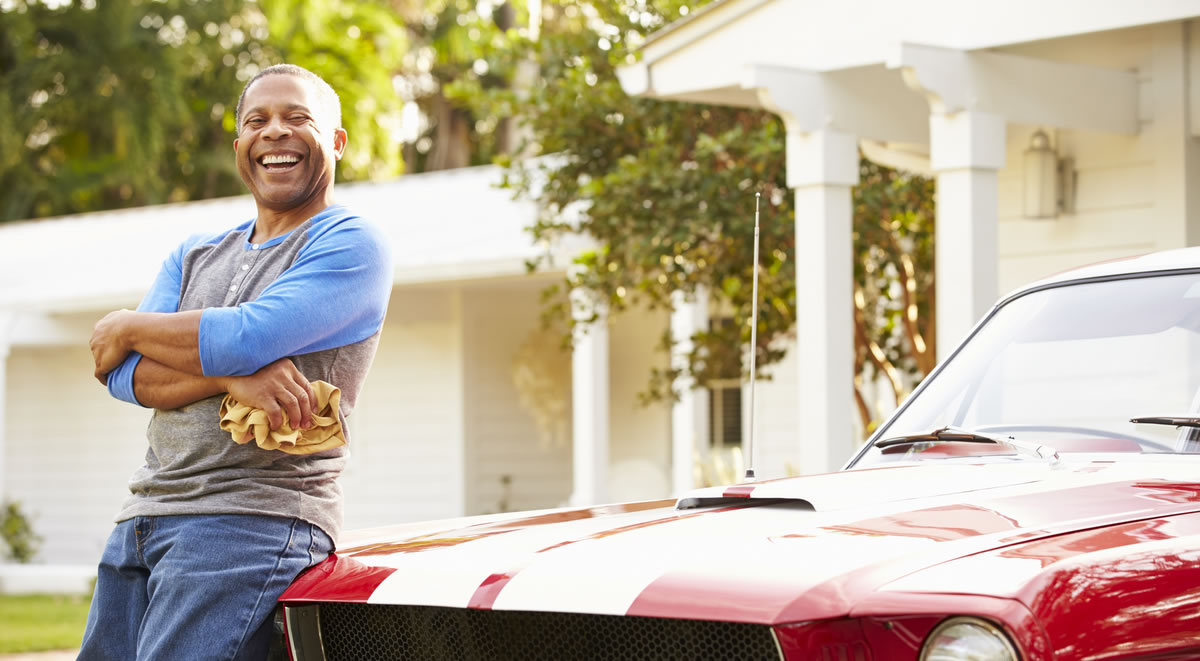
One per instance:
(276, 128)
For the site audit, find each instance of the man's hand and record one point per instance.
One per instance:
(276, 388)
(109, 343)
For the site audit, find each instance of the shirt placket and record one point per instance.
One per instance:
(249, 258)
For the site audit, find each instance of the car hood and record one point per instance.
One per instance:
(768, 552)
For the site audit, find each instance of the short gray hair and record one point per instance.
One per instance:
(326, 95)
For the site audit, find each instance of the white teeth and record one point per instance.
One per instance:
(276, 159)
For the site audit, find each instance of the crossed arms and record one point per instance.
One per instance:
(170, 375)
(165, 358)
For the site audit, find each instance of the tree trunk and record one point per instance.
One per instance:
(452, 138)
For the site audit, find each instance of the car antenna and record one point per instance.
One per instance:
(753, 345)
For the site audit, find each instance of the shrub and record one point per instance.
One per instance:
(18, 533)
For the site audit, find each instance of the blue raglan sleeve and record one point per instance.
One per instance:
(333, 295)
(162, 297)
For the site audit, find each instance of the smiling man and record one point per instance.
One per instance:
(214, 531)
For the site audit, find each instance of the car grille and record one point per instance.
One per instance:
(377, 633)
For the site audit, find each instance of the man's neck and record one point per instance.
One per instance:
(272, 223)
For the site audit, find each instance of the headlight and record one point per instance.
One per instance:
(968, 639)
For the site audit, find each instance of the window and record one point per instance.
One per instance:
(725, 413)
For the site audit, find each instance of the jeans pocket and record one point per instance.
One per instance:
(320, 545)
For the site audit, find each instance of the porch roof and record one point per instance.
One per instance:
(704, 56)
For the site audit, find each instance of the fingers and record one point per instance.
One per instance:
(306, 399)
(296, 398)
(107, 343)
(291, 406)
(274, 414)
(101, 370)
(97, 359)
(280, 390)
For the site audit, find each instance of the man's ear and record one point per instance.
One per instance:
(235, 141)
(339, 144)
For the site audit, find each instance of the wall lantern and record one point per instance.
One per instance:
(1049, 181)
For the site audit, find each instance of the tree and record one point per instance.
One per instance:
(455, 40)
(115, 104)
(667, 190)
(669, 187)
(894, 302)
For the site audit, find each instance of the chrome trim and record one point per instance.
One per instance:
(778, 647)
(303, 628)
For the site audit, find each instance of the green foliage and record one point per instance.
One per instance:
(457, 45)
(115, 104)
(667, 190)
(17, 533)
(895, 307)
(894, 265)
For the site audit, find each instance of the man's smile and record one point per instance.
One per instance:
(279, 161)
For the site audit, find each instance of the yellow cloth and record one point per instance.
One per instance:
(244, 422)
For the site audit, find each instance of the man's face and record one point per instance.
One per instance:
(287, 145)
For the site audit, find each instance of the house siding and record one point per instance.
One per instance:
(69, 450)
(1132, 192)
(639, 436)
(407, 429)
(502, 438)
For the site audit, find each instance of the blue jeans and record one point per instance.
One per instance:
(195, 587)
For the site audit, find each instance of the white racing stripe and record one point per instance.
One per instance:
(607, 575)
(450, 576)
(431, 579)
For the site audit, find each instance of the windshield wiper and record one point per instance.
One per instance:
(1168, 420)
(945, 434)
(956, 435)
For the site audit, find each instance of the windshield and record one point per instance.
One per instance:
(1068, 367)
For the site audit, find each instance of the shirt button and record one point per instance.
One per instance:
(245, 267)
(254, 246)
(232, 287)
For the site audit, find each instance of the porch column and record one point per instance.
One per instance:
(966, 151)
(6, 324)
(689, 414)
(821, 167)
(971, 97)
(824, 114)
(589, 400)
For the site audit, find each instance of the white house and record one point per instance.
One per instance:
(1060, 132)
(471, 408)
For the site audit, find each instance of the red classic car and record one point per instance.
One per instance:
(1038, 497)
